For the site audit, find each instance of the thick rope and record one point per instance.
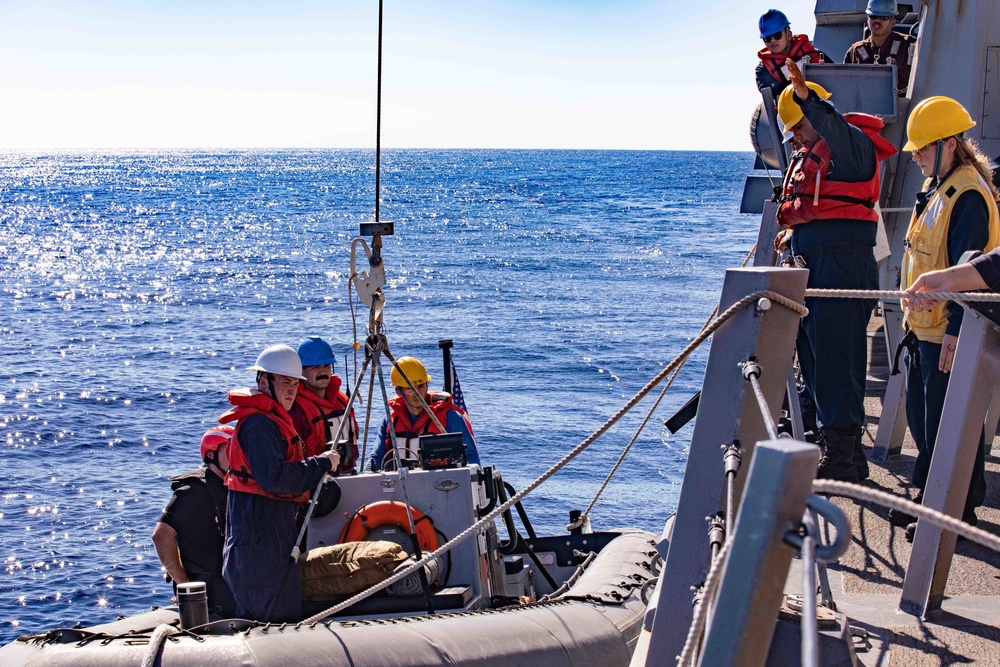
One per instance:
(607, 480)
(155, 643)
(895, 502)
(474, 528)
(897, 294)
(848, 490)
(688, 655)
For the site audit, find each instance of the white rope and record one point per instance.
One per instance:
(897, 294)
(895, 502)
(474, 528)
(155, 642)
(586, 513)
(688, 655)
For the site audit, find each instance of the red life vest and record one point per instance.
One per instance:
(320, 410)
(408, 430)
(808, 195)
(801, 47)
(251, 402)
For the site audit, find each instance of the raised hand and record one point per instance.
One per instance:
(798, 81)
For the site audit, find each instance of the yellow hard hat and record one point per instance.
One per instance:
(934, 119)
(789, 111)
(413, 369)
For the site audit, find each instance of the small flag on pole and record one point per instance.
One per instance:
(456, 390)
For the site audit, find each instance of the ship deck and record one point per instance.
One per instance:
(867, 581)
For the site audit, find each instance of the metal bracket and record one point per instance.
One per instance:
(367, 283)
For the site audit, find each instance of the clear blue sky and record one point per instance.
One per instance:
(663, 74)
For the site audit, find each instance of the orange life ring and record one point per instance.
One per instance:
(390, 513)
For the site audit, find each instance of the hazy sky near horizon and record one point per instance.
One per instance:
(640, 74)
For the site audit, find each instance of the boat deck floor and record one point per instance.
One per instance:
(867, 581)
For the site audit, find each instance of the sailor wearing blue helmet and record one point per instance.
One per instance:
(780, 45)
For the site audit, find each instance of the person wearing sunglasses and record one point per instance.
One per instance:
(779, 46)
(884, 46)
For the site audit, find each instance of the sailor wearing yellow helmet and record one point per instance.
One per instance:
(410, 420)
(827, 213)
(956, 212)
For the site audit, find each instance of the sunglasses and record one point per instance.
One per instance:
(775, 37)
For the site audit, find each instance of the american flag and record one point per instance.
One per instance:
(456, 390)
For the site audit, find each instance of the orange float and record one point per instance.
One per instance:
(390, 513)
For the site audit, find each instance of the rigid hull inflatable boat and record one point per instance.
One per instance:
(593, 617)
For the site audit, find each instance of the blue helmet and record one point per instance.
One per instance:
(314, 351)
(882, 8)
(773, 21)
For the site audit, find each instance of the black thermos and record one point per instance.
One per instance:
(193, 602)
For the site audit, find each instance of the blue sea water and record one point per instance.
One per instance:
(137, 287)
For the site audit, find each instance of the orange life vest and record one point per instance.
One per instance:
(808, 195)
(323, 413)
(801, 47)
(249, 402)
(408, 430)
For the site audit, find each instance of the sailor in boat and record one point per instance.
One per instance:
(781, 45)
(269, 477)
(189, 535)
(884, 46)
(827, 214)
(319, 406)
(410, 420)
(955, 213)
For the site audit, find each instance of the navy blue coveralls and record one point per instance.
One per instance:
(832, 344)
(988, 266)
(261, 531)
(969, 229)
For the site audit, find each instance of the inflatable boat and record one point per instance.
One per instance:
(573, 599)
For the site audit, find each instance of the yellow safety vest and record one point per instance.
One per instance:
(926, 247)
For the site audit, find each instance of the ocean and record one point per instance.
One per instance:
(136, 287)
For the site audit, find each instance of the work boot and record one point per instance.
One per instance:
(904, 519)
(859, 458)
(837, 461)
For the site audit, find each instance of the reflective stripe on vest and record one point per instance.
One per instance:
(926, 245)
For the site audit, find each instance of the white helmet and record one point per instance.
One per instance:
(279, 360)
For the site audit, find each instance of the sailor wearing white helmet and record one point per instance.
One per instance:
(268, 478)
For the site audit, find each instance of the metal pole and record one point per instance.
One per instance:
(446, 346)
(319, 487)
(746, 608)
(733, 415)
(974, 376)
(402, 471)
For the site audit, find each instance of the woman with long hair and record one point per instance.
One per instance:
(955, 213)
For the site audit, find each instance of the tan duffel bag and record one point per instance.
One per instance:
(345, 569)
